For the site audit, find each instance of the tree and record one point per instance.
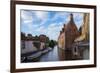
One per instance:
(36, 37)
(52, 44)
(23, 36)
(29, 35)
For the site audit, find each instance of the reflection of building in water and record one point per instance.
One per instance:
(70, 41)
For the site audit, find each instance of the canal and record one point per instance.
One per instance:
(50, 56)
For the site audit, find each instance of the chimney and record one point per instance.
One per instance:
(62, 29)
(60, 32)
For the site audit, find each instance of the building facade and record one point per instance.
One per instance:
(31, 43)
(82, 42)
(73, 44)
(66, 38)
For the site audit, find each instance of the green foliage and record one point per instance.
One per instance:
(52, 43)
(23, 36)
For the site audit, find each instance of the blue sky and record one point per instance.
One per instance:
(47, 22)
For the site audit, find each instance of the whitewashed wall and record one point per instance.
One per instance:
(29, 47)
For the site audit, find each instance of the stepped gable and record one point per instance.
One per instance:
(71, 26)
(71, 32)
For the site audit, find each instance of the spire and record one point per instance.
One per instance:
(71, 18)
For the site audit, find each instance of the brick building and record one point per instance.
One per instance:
(66, 38)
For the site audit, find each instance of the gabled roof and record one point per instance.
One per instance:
(70, 26)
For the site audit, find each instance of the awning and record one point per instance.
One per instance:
(80, 38)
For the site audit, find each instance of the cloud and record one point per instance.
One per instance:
(53, 30)
(60, 15)
(40, 29)
(31, 20)
(78, 18)
(40, 17)
(26, 16)
(41, 14)
(46, 22)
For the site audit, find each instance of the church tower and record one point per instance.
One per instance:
(71, 32)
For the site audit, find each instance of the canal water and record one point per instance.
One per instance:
(50, 56)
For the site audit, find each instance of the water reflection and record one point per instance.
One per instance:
(50, 56)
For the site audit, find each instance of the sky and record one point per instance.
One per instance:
(48, 23)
